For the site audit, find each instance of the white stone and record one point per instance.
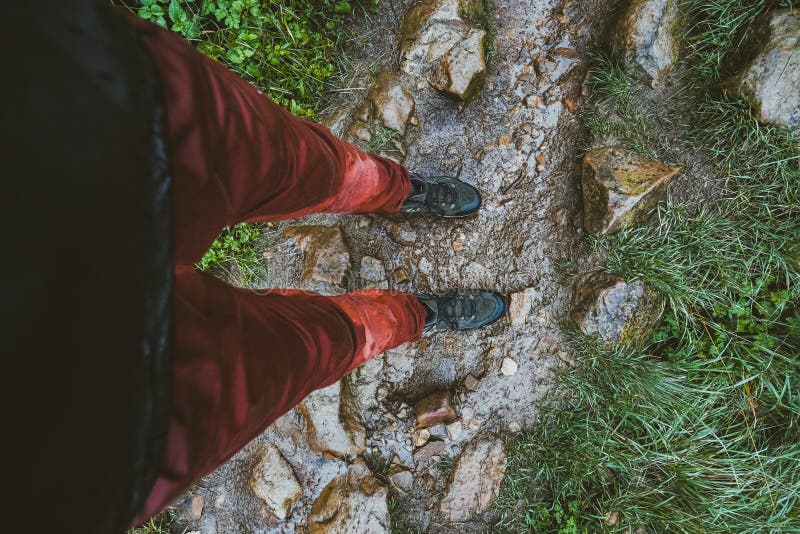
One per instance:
(274, 482)
(455, 430)
(509, 367)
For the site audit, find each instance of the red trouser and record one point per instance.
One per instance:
(241, 360)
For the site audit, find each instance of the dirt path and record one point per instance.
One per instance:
(518, 142)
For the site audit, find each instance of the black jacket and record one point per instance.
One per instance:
(86, 267)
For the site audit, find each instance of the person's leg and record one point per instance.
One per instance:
(242, 360)
(237, 156)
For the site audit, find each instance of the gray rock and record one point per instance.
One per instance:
(402, 480)
(360, 391)
(323, 422)
(391, 101)
(616, 311)
(273, 481)
(430, 29)
(433, 448)
(646, 37)
(352, 503)
(372, 270)
(478, 472)
(771, 82)
(462, 69)
(621, 189)
(326, 258)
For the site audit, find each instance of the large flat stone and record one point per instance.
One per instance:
(274, 482)
(392, 103)
(477, 475)
(324, 424)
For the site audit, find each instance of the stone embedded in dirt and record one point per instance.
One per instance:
(326, 256)
(462, 69)
(274, 482)
(514, 427)
(400, 275)
(322, 422)
(519, 306)
(401, 234)
(402, 480)
(359, 392)
(358, 132)
(392, 102)
(771, 81)
(617, 311)
(430, 29)
(434, 409)
(646, 36)
(471, 383)
(433, 448)
(621, 189)
(420, 437)
(509, 367)
(372, 270)
(337, 120)
(477, 475)
(351, 503)
(197, 505)
(455, 430)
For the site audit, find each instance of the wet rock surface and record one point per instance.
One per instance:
(462, 68)
(621, 189)
(646, 36)
(322, 423)
(616, 311)
(771, 82)
(434, 409)
(391, 101)
(274, 482)
(518, 140)
(476, 480)
(353, 503)
(326, 258)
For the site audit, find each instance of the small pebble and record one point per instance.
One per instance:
(509, 367)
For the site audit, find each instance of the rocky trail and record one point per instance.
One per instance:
(421, 429)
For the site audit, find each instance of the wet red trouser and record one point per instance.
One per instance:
(242, 359)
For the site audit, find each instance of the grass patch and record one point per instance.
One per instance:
(234, 254)
(383, 140)
(700, 431)
(164, 523)
(287, 48)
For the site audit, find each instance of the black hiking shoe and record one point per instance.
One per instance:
(462, 310)
(441, 195)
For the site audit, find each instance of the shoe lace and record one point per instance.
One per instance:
(439, 194)
(457, 309)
